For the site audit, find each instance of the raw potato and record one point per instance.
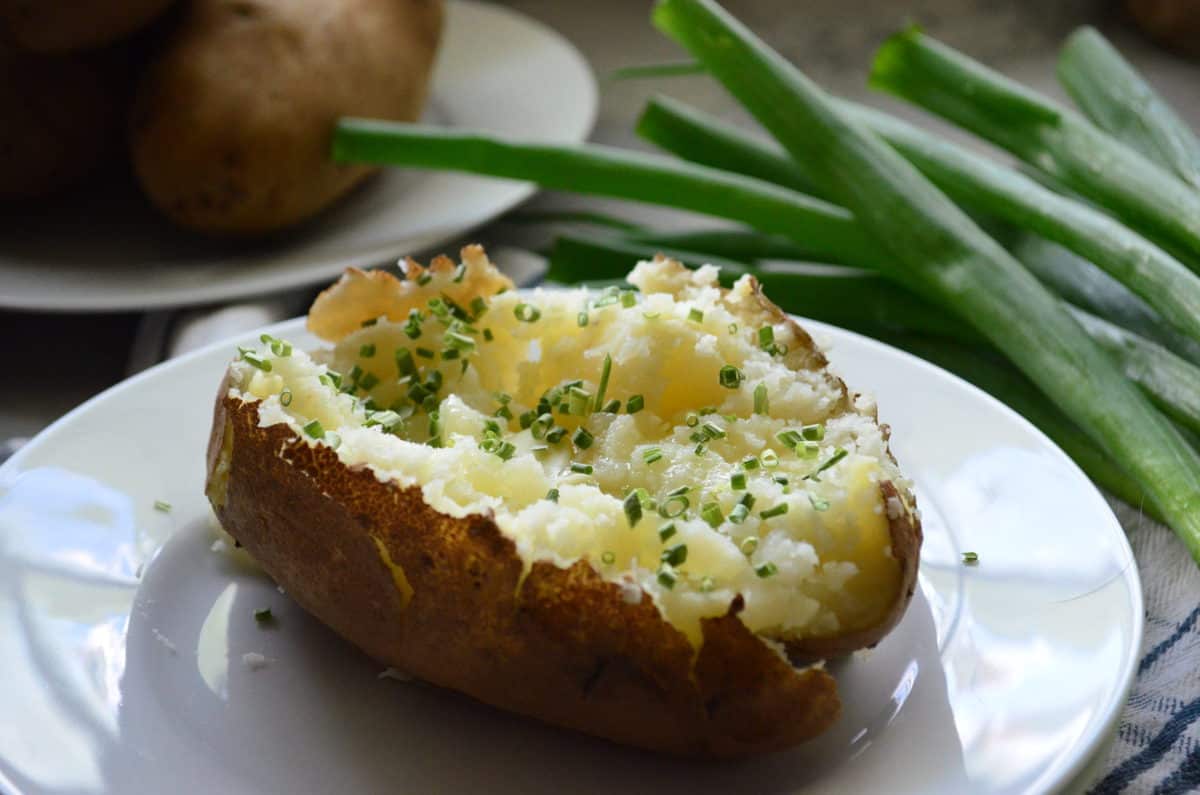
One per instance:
(522, 614)
(62, 120)
(231, 125)
(55, 26)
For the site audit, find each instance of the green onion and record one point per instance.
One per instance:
(458, 341)
(837, 455)
(713, 431)
(817, 503)
(748, 500)
(367, 351)
(247, 355)
(970, 558)
(555, 435)
(479, 308)
(263, 615)
(412, 326)
(460, 270)
(814, 432)
(582, 439)
(770, 459)
(633, 508)
(278, 347)
(733, 327)
(748, 545)
(552, 495)
(676, 555)
(368, 382)
(707, 584)
(605, 372)
(935, 245)
(766, 338)
(674, 506)
(711, 513)
(1114, 96)
(666, 531)
(581, 319)
(652, 454)
(541, 425)
(761, 404)
(766, 570)
(425, 278)
(666, 576)
(750, 463)
(608, 558)
(695, 315)
(487, 335)
(526, 313)
(162, 505)
(692, 419)
(771, 513)
(739, 513)
(583, 469)
(635, 404)
(285, 397)
(579, 401)
(730, 377)
(612, 407)
(789, 438)
(314, 429)
(425, 353)
(737, 481)
(628, 299)
(368, 323)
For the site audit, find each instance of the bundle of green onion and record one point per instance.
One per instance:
(1067, 289)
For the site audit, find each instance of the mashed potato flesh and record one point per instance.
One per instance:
(808, 550)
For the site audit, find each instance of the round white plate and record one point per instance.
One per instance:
(107, 250)
(123, 635)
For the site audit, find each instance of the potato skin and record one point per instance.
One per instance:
(62, 120)
(56, 26)
(231, 125)
(559, 645)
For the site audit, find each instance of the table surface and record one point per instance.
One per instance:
(62, 359)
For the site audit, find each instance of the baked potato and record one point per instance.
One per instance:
(56, 26)
(231, 125)
(63, 120)
(644, 514)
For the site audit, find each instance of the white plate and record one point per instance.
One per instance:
(1002, 677)
(497, 70)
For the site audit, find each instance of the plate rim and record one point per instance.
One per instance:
(1066, 770)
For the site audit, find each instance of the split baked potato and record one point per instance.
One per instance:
(645, 513)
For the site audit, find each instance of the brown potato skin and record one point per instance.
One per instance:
(57, 26)
(63, 118)
(560, 645)
(231, 126)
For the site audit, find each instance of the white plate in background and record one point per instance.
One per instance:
(107, 250)
(122, 633)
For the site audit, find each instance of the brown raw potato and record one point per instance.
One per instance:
(56, 26)
(231, 126)
(63, 118)
(449, 599)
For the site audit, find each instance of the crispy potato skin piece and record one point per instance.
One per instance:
(560, 645)
(444, 598)
(56, 26)
(231, 126)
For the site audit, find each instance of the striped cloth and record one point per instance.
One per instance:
(1157, 749)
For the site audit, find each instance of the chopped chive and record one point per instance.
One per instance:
(698, 436)
(707, 584)
(771, 513)
(526, 419)
(355, 374)
(279, 347)
(367, 351)
(739, 513)
(425, 278)
(706, 410)
(425, 353)
(666, 531)
(730, 377)
(813, 433)
(460, 270)
(695, 315)
(692, 420)
(635, 404)
(458, 341)
(838, 455)
(817, 503)
(247, 355)
(666, 576)
(700, 449)
(711, 513)
(749, 545)
(713, 431)
(807, 449)
(766, 338)
(285, 397)
(608, 558)
(605, 372)
(555, 435)
(582, 439)
(750, 464)
(162, 505)
(450, 354)
(552, 495)
(412, 326)
(733, 328)
(737, 481)
(652, 454)
(789, 438)
(314, 429)
(369, 323)
(541, 425)
(970, 558)
(748, 500)
(676, 555)
(679, 491)
(369, 381)
(527, 313)
(633, 509)
(581, 319)
(579, 401)
(584, 469)
(487, 335)
(628, 299)
(674, 506)
(612, 407)
(761, 404)
(766, 570)
(506, 450)
(263, 615)
(780, 479)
